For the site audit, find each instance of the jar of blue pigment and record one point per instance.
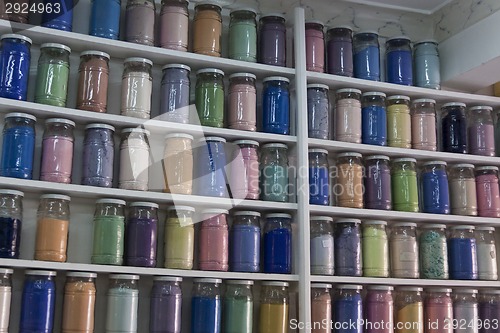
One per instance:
(348, 308)
(454, 128)
(11, 216)
(347, 247)
(276, 105)
(427, 65)
(15, 59)
(374, 118)
(38, 302)
(244, 242)
(462, 253)
(209, 174)
(366, 56)
(322, 257)
(435, 194)
(318, 111)
(399, 61)
(105, 18)
(98, 155)
(319, 187)
(61, 15)
(377, 183)
(206, 306)
(278, 243)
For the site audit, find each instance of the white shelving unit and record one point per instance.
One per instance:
(84, 196)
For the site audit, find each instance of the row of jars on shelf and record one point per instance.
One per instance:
(211, 309)
(378, 183)
(375, 119)
(132, 239)
(137, 84)
(355, 249)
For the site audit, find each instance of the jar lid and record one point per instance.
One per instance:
(6, 271)
(462, 227)
(240, 282)
(60, 120)
(481, 107)
(371, 32)
(138, 59)
(405, 159)
(179, 135)
(276, 78)
(215, 211)
(106, 126)
(406, 98)
(144, 204)
(244, 9)
(250, 75)
(20, 115)
(348, 221)
(433, 41)
(404, 224)
(399, 37)
(348, 90)
(424, 100)
(321, 285)
(201, 3)
(55, 196)
(374, 93)
(435, 163)
(485, 228)
(168, 278)
(246, 142)
(314, 22)
(213, 138)
(275, 283)
(377, 157)
(123, 277)
(318, 150)
(439, 290)
(275, 145)
(111, 201)
(17, 36)
(95, 53)
(349, 286)
(82, 274)
(384, 288)
(490, 291)
(481, 168)
(210, 70)
(435, 226)
(321, 218)
(318, 85)
(462, 165)
(136, 130)
(207, 280)
(186, 67)
(177, 208)
(40, 273)
(459, 104)
(408, 288)
(349, 155)
(56, 46)
(246, 212)
(273, 15)
(12, 192)
(348, 27)
(278, 215)
(466, 291)
(374, 222)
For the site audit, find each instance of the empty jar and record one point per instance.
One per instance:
(374, 119)
(319, 178)
(486, 253)
(178, 163)
(347, 248)
(481, 131)
(427, 66)
(244, 177)
(242, 113)
(377, 183)
(174, 93)
(321, 307)
(348, 115)
(209, 168)
(404, 185)
(105, 19)
(11, 217)
(141, 234)
(98, 155)
(318, 111)
(462, 189)
(278, 243)
(5, 296)
(404, 251)
(273, 310)
(140, 22)
(38, 301)
(166, 305)
(339, 51)
(137, 87)
(434, 184)
(244, 242)
(454, 127)
(488, 195)
(174, 25)
(462, 253)
(179, 238)
(322, 256)
(349, 188)
(274, 172)
(209, 97)
(93, 79)
(276, 105)
(399, 61)
(122, 303)
(375, 247)
(433, 252)
(134, 159)
(423, 124)
(272, 40)
(79, 302)
(213, 238)
(206, 306)
(15, 59)
(366, 57)
(243, 35)
(438, 307)
(398, 121)
(315, 46)
(207, 29)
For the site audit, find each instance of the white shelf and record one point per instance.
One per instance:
(58, 266)
(421, 155)
(82, 191)
(441, 96)
(405, 282)
(391, 215)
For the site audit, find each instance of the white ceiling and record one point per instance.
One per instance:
(417, 6)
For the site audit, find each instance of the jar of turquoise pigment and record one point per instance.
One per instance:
(427, 67)
(238, 306)
(433, 252)
(274, 172)
(123, 302)
(322, 259)
(209, 97)
(243, 35)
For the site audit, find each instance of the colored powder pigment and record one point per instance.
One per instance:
(374, 125)
(433, 255)
(348, 311)
(10, 237)
(121, 313)
(238, 315)
(375, 252)
(109, 240)
(436, 198)
(322, 256)
(244, 245)
(273, 318)
(347, 248)
(141, 237)
(278, 251)
(462, 258)
(206, 314)
(410, 318)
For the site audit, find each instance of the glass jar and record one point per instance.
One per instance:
(18, 146)
(349, 187)
(435, 195)
(404, 185)
(377, 183)
(244, 242)
(423, 124)
(347, 248)
(6, 296)
(375, 247)
(274, 303)
(134, 159)
(379, 309)
(319, 186)
(278, 243)
(166, 304)
(174, 96)
(105, 19)
(489, 308)
(488, 194)
(399, 61)
(38, 301)
(137, 87)
(374, 119)
(98, 155)
(274, 172)
(454, 128)
(178, 163)
(462, 253)
(63, 19)
(318, 111)
(486, 253)
(140, 22)
(174, 25)
(243, 35)
(209, 173)
(11, 216)
(366, 57)
(348, 307)
(242, 113)
(272, 40)
(52, 228)
(15, 16)
(179, 238)
(409, 310)
(276, 105)
(15, 59)
(398, 121)
(321, 307)
(462, 189)
(238, 306)
(93, 81)
(123, 301)
(438, 307)
(209, 97)
(427, 66)
(109, 232)
(433, 252)
(207, 29)
(206, 307)
(79, 302)
(481, 131)
(52, 74)
(244, 170)
(213, 238)
(315, 46)
(404, 251)
(141, 234)
(322, 253)
(339, 51)
(348, 115)
(466, 310)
